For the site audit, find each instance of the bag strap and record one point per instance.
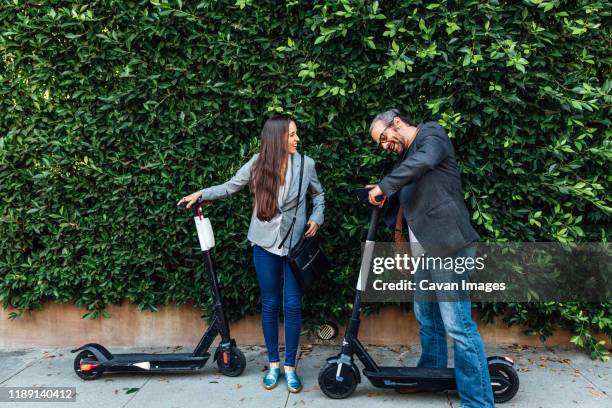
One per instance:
(296, 205)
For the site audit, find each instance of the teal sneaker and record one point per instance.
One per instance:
(293, 381)
(270, 380)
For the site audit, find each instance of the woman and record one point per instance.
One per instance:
(272, 176)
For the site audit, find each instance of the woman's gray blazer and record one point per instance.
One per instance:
(258, 233)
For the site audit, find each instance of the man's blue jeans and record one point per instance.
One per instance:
(437, 319)
(271, 270)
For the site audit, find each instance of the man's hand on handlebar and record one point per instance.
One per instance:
(375, 194)
(190, 200)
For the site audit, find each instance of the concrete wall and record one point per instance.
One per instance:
(61, 325)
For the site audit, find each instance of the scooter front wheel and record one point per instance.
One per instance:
(237, 362)
(84, 364)
(334, 388)
(505, 382)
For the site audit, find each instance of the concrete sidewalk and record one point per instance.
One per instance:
(550, 378)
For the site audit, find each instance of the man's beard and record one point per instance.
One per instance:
(398, 147)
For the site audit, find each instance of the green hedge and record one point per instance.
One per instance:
(112, 110)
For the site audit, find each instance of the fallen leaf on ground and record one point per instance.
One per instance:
(596, 393)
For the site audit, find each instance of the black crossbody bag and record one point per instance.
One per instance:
(306, 259)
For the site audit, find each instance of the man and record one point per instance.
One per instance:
(439, 224)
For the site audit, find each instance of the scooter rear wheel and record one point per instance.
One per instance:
(337, 389)
(78, 360)
(505, 382)
(236, 365)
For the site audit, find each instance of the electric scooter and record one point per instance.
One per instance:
(94, 359)
(340, 376)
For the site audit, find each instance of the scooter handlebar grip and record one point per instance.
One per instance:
(198, 203)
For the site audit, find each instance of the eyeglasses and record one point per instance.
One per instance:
(383, 138)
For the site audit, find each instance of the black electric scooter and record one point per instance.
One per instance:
(339, 377)
(94, 359)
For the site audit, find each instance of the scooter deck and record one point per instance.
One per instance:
(413, 377)
(138, 362)
(158, 357)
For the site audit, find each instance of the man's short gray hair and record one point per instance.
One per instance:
(386, 118)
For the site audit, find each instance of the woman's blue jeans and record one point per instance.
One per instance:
(436, 320)
(271, 269)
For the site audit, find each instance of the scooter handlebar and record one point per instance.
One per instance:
(194, 208)
(362, 194)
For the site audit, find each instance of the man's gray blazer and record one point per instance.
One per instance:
(435, 211)
(258, 233)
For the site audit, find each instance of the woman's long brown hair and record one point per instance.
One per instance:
(269, 170)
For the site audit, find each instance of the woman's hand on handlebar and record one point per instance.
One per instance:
(190, 200)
